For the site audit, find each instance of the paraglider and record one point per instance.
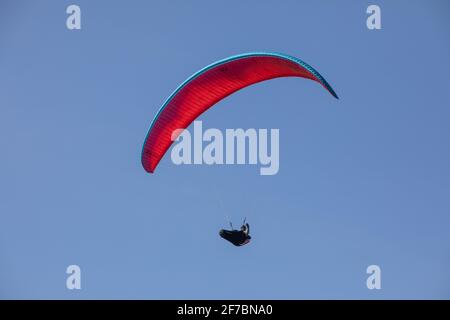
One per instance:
(237, 237)
(207, 87)
(210, 85)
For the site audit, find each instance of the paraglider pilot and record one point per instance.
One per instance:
(237, 237)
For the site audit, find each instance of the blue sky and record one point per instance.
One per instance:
(363, 180)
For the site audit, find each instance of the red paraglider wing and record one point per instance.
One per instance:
(210, 85)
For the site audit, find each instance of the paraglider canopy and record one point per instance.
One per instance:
(210, 85)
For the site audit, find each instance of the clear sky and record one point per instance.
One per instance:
(363, 180)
